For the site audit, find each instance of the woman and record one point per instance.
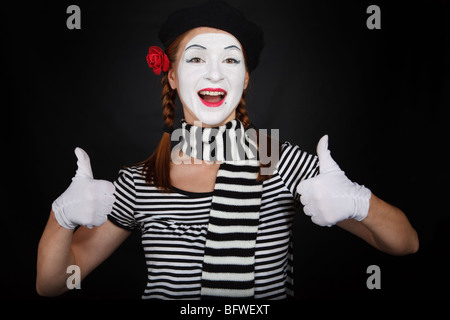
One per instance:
(213, 224)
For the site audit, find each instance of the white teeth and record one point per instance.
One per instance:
(212, 93)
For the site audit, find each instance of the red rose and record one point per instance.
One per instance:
(157, 60)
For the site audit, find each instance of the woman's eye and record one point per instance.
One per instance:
(194, 60)
(231, 61)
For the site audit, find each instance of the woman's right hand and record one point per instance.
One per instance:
(86, 202)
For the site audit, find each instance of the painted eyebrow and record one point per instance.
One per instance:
(202, 47)
(195, 45)
(232, 47)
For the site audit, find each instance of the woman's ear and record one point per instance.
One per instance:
(247, 78)
(172, 80)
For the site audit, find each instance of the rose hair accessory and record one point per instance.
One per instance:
(157, 60)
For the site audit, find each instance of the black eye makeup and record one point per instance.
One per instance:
(195, 60)
(232, 61)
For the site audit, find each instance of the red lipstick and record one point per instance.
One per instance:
(212, 97)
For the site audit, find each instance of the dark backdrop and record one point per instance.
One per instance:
(381, 95)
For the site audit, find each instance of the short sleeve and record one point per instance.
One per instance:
(122, 213)
(296, 165)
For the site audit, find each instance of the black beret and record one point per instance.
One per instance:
(219, 15)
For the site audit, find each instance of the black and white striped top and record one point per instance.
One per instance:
(174, 227)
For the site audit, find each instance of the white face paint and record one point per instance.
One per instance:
(211, 76)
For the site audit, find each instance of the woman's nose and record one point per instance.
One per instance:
(214, 72)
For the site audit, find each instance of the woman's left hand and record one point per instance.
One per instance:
(330, 196)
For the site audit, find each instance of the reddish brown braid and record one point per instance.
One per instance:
(241, 112)
(157, 166)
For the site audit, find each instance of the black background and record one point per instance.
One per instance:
(382, 96)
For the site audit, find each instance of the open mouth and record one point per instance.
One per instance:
(212, 97)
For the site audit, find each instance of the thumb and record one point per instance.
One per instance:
(84, 164)
(326, 162)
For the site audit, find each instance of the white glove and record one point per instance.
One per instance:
(330, 196)
(86, 202)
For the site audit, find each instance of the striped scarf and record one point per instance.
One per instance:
(229, 258)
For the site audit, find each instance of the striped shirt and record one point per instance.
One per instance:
(174, 226)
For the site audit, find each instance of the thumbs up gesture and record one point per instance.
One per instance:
(86, 201)
(330, 196)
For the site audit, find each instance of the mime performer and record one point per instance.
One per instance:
(214, 224)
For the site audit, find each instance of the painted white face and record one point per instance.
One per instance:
(211, 76)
